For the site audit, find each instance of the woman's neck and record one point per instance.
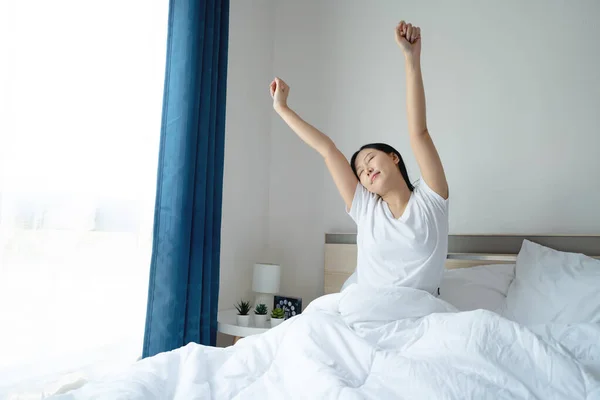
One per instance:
(397, 198)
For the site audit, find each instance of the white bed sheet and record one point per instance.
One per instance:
(361, 344)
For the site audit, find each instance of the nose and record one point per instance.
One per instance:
(369, 171)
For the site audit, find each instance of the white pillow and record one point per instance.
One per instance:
(552, 286)
(481, 287)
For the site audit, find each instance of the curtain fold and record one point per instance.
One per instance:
(184, 272)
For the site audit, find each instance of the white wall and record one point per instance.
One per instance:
(513, 95)
(296, 195)
(247, 147)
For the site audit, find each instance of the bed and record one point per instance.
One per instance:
(537, 339)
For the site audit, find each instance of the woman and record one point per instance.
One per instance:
(402, 230)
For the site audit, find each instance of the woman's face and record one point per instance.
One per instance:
(375, 169)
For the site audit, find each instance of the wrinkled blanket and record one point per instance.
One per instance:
(364, 344)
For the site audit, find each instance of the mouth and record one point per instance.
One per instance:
(375, 175)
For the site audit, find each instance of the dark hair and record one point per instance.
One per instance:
(386, 148)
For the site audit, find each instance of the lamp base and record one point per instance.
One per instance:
(266, 299)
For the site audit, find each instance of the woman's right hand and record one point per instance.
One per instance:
(279, 92)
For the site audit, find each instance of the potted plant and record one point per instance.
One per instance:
(243, 308)
(260, 315)
(276, 317)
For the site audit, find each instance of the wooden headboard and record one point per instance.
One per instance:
(463, 251)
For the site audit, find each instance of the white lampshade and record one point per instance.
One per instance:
(266, 278)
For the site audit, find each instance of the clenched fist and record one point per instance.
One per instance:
(408, 38)
(279, 92)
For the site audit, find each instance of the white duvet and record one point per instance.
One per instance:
(359, 344)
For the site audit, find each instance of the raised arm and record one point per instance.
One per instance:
(338, 165)
(408, 38)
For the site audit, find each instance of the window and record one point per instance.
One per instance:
(80, 114)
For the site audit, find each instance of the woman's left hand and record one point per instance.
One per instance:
(408, 38)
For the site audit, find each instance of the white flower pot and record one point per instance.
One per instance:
(260, 320)
(276, 321)
(243, 320)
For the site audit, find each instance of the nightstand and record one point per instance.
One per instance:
(227, 324)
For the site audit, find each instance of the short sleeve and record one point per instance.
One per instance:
(360, 203)
(432, 197)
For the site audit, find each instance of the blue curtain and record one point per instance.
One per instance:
(184, 272)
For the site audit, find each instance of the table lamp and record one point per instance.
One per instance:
(265, 283)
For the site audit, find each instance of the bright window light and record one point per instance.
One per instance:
(80, 114)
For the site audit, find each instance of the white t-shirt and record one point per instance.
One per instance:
(409, 251)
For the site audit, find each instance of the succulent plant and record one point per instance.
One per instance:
(243, 307)
(261, 309)
(277, 313)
